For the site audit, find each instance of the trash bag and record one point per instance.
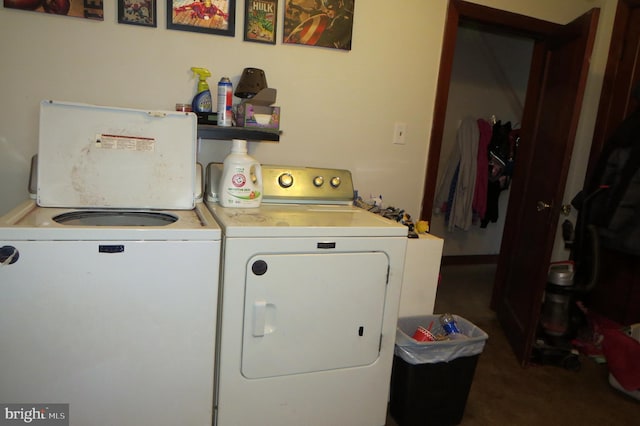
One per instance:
(413, 352)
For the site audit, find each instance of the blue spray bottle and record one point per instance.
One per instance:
(202, 101)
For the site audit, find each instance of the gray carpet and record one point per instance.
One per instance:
(503, 392)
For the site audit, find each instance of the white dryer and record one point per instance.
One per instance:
(310, 295)
(109, 282)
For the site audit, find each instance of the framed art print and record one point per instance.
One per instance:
(205, 16)
(137, 12)
(76, 8)
(260, 21)
(322, 23)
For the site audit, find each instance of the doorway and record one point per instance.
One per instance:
(554, 94)
(489, 79)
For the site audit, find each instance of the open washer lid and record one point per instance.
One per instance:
(93, 156)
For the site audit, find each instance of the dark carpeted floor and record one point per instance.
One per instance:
(505, 393)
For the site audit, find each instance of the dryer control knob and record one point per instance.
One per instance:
(285, 180)
(335, 181)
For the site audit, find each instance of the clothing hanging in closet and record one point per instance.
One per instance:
(458, 185)
(479, 169)
(502, 151)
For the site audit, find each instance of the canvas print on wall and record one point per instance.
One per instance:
(260, 21)
(77, 8)
(204, 16)
(324, 23)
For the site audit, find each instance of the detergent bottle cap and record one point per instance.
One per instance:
(239, 146)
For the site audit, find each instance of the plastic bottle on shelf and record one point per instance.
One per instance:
(225, 101)
(241, 182)
(202, 101)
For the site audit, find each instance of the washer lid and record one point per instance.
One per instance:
(94, 156)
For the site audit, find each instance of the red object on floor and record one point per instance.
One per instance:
(623, 357)
(621, 351)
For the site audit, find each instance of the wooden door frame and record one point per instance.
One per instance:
(491, 19)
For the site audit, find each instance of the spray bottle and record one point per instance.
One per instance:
(202, 100)
(241, 182)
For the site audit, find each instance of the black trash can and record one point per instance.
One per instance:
(430, 381)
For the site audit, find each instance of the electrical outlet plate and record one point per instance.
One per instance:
(399, 131)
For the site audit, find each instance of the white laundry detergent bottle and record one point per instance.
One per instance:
(241, 183)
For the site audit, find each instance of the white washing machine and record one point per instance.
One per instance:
(310, 291)
(109, 281)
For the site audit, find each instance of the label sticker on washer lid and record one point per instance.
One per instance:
(126, 143)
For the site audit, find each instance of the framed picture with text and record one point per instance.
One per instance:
(260, 21)
(213, 17)
(137, 12)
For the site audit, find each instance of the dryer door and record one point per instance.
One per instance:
(312, 312)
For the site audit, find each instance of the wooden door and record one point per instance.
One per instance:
(554, 98)
(621, 76)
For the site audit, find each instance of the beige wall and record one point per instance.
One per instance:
(338, 108)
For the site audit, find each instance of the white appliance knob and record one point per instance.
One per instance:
(335, 181)
(285, 180)
(318, 181)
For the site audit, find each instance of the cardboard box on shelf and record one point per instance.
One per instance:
(258, 112)
(258, 116)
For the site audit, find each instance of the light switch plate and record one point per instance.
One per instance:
(399, 133)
